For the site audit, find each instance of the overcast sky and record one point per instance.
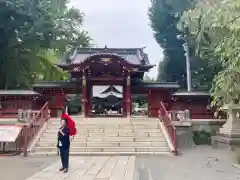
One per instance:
(121, 24)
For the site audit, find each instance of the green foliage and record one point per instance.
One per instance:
(47, 70)
(215, 29)
(75, 106)
(32, 34)
(164, 16)
(202, 138)
(146, 78)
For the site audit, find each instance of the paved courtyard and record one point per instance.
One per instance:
(91, 168)
(201, 163)
(19, 168)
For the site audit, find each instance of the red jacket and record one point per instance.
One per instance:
(71, 124)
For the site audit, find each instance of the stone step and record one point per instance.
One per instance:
(112, 134)
(101, 153)
(108, 135)
(106, 149)
(114, 125)
(146, 134)
(107, 144)
(50, 130)
(108, 139)
(97, 127)
(110, 120)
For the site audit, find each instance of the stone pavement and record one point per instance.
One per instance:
(200, 163)
(19, 168)
(90, 168)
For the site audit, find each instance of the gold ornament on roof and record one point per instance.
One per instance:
(105, 60)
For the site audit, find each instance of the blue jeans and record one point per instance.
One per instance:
(64, 154)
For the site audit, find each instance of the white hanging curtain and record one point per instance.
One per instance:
(98, 89)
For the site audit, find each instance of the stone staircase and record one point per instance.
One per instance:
(107, 136)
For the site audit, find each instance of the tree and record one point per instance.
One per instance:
(164, 16)
(32, 33)
(215, 29)
(146, 78)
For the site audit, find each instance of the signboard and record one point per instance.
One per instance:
(9, 133)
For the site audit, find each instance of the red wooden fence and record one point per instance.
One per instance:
(32, 128)
(171, 129)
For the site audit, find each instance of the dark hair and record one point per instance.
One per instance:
(64, 119)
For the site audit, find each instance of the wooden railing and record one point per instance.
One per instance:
(33, 122)
(169, 127)
(31, 129)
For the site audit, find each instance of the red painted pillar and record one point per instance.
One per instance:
(84, 95)
(89, 95)
(124, 100)
(128, 96)
(149, 103)
(59, 103)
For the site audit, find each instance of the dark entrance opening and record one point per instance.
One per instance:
(107, 100)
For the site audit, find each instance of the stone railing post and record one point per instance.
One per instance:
(232, 125)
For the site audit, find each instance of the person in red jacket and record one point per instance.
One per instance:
(71, 124)
(63, 144)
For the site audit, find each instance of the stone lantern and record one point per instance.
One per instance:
(229, 135)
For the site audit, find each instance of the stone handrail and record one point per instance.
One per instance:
(181, 116)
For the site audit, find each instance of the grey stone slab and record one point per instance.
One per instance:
(79, 170)
(129, 174)
(97, 165)
(200, 163)
(19, 168)
(88, 168)
(59, 176)
(108, 167)
(120, 168)
(88, 177)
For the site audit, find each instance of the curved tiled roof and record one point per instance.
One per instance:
(134, 56)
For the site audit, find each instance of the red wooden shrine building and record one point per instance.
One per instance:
(88, 67)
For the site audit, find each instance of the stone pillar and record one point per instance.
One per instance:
(229, 135)
(84, 95)
(128, 96)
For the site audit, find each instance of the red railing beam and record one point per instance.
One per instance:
(33, 127)
(171, 129)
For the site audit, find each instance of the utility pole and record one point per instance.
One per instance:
(188, 66)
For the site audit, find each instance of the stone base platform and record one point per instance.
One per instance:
(91, 168)
(225, 141)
